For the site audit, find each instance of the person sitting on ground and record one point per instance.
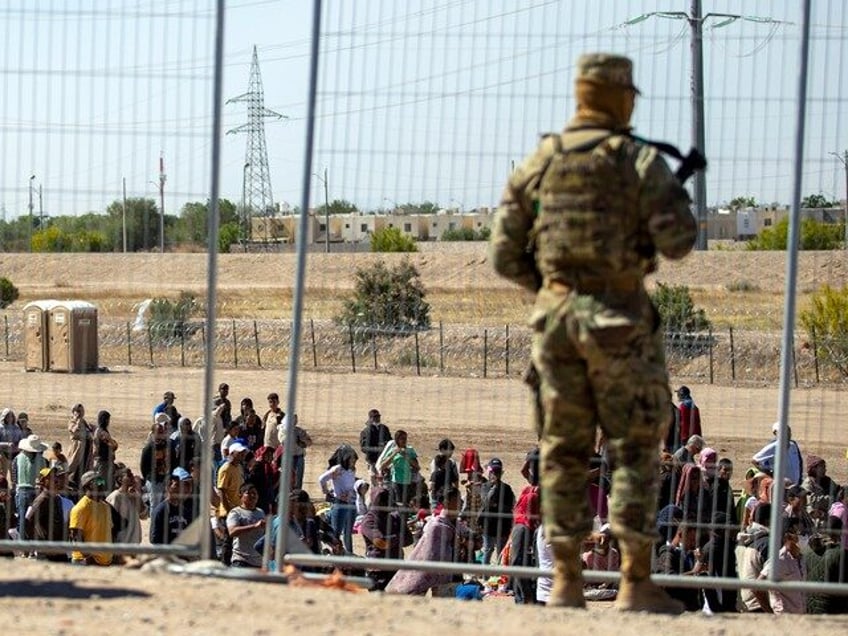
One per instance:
(91, 521)
(245, 524)
(678, 557)
(821, 490)
(172, 516)
(751, 555)
(788, 566)
(686, 454)
(45, 517)
(437, 543)
(127, 502)
(794, 466)
(718, 558)
(826, 562)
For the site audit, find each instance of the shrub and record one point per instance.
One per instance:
(169, 319)
(8, 292)
(826, 322)
(742, 285)
(228, 234)
(677, 311)
(815, 235)
(466, 234)
(391, 239)
(388, 301)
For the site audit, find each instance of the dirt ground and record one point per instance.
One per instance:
(490, 414)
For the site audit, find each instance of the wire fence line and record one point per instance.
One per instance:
(721, 356)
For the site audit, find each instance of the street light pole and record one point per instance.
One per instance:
(844, 161)
(40, 209)
(29, 226)
(326, 209)
(162, 179)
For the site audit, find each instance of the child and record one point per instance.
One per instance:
(361, 487)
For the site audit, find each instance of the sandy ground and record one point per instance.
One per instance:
(491, 415)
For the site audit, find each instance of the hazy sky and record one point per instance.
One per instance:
(418, 100)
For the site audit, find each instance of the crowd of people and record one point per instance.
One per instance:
(450, 509)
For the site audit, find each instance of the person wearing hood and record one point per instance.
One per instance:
(690, 415)
(81, 451)
(793, 468)
(821, 489)
(385, 533)
(752, 552)
(10, 436)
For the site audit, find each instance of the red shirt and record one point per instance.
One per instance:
(690, 421)
(527, 511)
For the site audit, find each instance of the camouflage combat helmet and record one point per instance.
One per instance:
(606, 69)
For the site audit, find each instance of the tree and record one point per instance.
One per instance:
(742, 202)
(425, 207)
(818, 201)
(466, 234)
(387, 301)
(337, 206)
(142, 223)
(391, 239)
(194, 218)
(826, 322)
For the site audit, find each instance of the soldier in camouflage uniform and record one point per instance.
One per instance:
(580, 223)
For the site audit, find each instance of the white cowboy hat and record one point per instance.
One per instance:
(32, 444)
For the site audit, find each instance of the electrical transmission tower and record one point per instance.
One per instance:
(256, 178)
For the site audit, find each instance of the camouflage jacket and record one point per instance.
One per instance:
(653, 209)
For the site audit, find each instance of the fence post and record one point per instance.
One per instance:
(485, 351)
(711, 355)
(6, 325)
(203, 343)
(256, 340)
(314, 350)
(182, 344)
(506, 351)
(441, 348)
(235, 345)
(417, 355)
(374, 348)
(815, 353)
(150, 344)
(732, 356)
(795, 366)
(352, 352)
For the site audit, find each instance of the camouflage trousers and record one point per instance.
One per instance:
(601, 364)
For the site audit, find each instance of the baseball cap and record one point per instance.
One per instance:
(495, 464)
(169, 395)
(237, 447)
(89, 477)
(181, 473)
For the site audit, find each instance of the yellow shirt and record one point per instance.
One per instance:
(230, 479)
(94, 521)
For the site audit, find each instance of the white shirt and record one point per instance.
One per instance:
(344, 483)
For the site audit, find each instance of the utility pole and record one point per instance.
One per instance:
(124, 213)
(698, 136)
(162, 179)
(844, 161)
(326, 209)
(40, 210)
(29, 225)
(696, 22)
